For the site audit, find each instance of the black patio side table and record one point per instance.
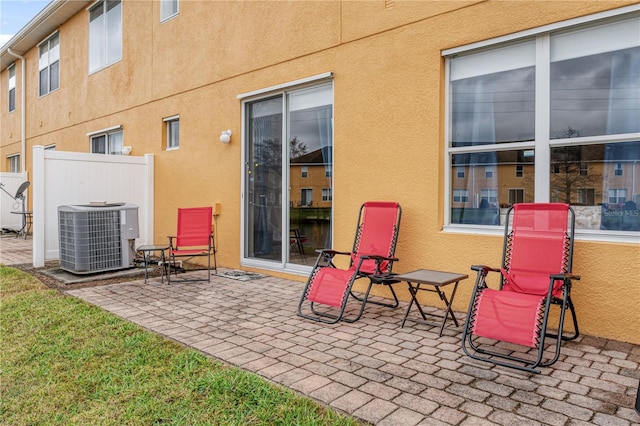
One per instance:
(436, 280)
(146, 253)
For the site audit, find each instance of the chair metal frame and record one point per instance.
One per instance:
(360, 266)
(473, 346)
(195, 243)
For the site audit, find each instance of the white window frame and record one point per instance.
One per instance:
(304, 171)
(618, 194)
(47, 63)
(461, 196)
(282, 89)
(326, 194)
(618, 170)
(489, 194)
(102, 42)
(489, 171)
(107, 133)
(543, 142)
(13, 163)
(12, 88)
(167, 11)
(168, 123)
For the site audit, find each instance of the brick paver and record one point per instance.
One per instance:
(372, 369)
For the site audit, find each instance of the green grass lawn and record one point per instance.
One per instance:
(63, 361)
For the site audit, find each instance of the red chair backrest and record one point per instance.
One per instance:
(194, 226)
(539, 247)
(377, 234)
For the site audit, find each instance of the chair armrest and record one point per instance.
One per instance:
(379, 258)
(329, 252)
(484, 269)
(565, 277)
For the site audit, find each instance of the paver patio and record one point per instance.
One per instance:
(373, 369)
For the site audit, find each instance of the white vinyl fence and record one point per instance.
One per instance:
(69, 178)
(10, 183)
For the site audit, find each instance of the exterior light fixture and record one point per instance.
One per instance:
(126, 150)
(225, 136)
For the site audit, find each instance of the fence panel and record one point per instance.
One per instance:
(67, 178)
(10, 182)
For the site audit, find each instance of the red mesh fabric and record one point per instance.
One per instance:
(329, 286)
(538, 248)
(194, 226)
(508, 316)
(377, 234)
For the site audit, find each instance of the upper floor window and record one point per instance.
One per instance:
(304, 171)
(618, 169)
(172, 131)
(561, 106)
(488, 172)
(13, 163)
(107, 142)
(168, 9)
(12, 87)
(105, 34)
(584, 169)
(49, 64)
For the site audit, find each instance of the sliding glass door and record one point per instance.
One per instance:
(288, 186)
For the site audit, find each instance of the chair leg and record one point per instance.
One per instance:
(394, 304)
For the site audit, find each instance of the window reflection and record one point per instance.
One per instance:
(601, 181)
(485, 184)
(493, 96)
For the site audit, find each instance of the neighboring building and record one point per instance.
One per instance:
(455, 109)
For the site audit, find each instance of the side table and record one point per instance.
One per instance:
(436, 280)
(146, 253)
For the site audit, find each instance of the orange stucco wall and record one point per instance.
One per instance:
(388, 118)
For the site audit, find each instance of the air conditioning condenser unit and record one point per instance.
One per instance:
(97, 238)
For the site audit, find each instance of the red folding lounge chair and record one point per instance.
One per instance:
(328, 288)
(535, 273)
(194, 238)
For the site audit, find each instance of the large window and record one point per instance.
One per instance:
(559, 111)
(107, 142)
(168, 9)
(105, 34)
(49, 65)
(287, 182)
(12, 88)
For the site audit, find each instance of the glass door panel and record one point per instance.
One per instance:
(263, 168)
(310, 137)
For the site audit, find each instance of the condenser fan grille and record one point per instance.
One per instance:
(91, 241)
